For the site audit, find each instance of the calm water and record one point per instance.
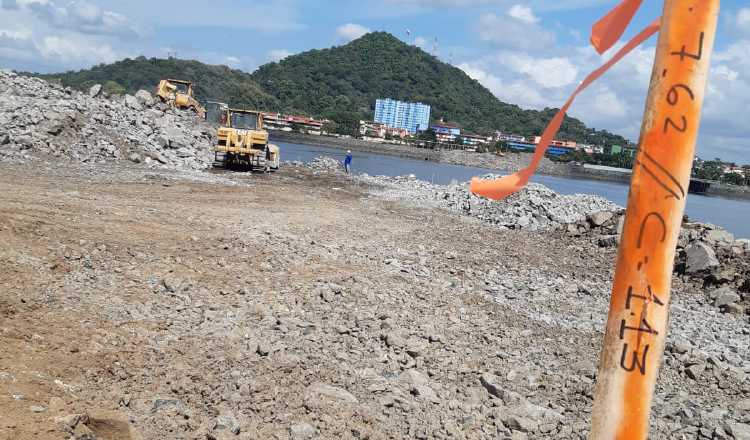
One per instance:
(730, 214)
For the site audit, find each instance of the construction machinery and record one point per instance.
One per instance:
(179, 94)
(242, 142)
(216, 112)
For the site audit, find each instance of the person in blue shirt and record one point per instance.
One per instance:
(348, 162)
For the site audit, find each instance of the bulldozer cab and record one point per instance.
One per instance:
(179, 93)
(180, 86)
(245, 120)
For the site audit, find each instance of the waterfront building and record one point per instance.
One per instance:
(445, 133)
(509, 137)
(556, 143)
(475, 140)
(410, 116)
(302, 124)
(368, 129)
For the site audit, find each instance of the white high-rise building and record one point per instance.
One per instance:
(412, 116)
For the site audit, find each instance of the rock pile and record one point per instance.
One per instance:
(713, 259)
(41, 120)
(534, 208)
(326, 164)
(708, 257)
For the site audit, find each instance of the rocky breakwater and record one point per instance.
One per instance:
(41, 120)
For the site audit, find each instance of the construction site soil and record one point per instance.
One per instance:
(158, 304)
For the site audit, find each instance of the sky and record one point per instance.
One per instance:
(529, 53)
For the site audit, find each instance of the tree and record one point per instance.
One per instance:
(112, 88)
(428, 135)
(733, 179)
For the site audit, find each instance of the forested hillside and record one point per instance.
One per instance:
(342, 84)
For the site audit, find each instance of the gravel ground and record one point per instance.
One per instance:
(145, 298)
(159, 304)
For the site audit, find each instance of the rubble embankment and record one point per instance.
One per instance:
(43, 120)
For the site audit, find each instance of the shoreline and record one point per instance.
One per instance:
(511, 162)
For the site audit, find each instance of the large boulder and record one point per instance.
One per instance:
(740, 431)
(95, 90)
(133, 102)
(145, 98)
(492, 384)
(330, 392)
(719, 237)
(700, 257)
(743, 244)
(600, 218)
(725, 296)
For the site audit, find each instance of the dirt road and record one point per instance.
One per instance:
(160, 305)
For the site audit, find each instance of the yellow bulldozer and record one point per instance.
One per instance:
(243, 143)
(179, 94)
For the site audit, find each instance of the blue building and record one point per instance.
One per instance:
(551, 150)
(412, 116)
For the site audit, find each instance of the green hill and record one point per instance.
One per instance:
(215, 83)
(342, 83)
(349, 78)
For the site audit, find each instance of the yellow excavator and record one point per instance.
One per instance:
(243, 143)
(179, 94)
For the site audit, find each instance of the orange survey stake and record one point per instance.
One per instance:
(637, 321)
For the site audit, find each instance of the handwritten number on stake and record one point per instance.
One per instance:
(683, 53)
(673, 96)
(669, 122)
(634, 361)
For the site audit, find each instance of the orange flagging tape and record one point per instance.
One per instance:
(605, 33)
(610, 28)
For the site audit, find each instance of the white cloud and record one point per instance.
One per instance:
(79, 16)
(17, 45)
(70, 51)
(608, 104)
(420, 42)
(20, 39)
(278, 54)
(523, 13)
(513, 32)
(743, 20)
(546, 72)
(512, 90)
(232, 61)
(351, 31)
